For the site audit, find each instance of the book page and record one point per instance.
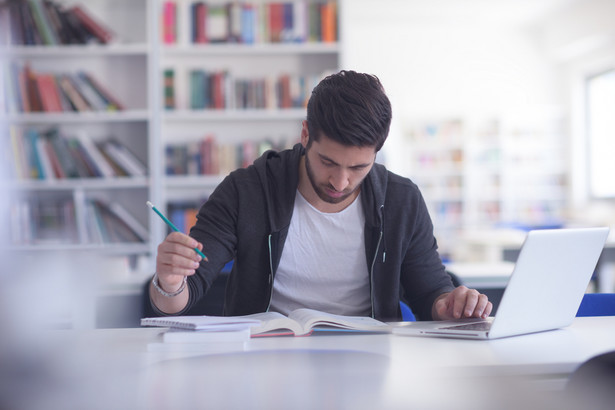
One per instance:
(211, 323)
(274, 323)
(310, 318)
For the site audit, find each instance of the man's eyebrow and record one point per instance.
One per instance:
(326, 158)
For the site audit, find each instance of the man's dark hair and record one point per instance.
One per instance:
(350, 108)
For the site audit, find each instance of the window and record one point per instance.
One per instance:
(601, 134)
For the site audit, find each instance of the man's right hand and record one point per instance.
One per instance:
(176, 259)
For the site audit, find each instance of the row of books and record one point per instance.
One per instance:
(220, 90)
(251, 22)
(45, 22)
(39, 221)
(183, 213)
(207, 157)
(24, 90)
(50, 155)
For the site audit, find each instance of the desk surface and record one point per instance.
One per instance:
(113, 368)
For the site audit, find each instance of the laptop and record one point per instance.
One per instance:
(544, 292)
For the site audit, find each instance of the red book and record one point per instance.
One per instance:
(276, 21)
(284, 93)
(168, 22)
(201, 20)
(101, 32)
(48, 91)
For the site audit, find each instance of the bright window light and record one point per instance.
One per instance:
(601, 134)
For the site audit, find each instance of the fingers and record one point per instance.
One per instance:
(464, 303)
(176, 256)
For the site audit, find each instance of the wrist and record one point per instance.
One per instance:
(434, 308)
(159, 288)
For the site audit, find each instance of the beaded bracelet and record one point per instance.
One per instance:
(164, 292)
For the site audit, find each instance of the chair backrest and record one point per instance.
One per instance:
(406, 313)
(597, 304)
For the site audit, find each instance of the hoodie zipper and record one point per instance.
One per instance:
(371, 273)
(270, 273)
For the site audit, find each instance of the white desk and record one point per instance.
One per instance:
(113, 369)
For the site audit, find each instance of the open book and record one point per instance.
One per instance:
(300, 322)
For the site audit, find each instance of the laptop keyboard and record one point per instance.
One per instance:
(471, 326)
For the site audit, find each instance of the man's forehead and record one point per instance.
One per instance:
(344, 154)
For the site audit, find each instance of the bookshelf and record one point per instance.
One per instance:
(251, 119)
(64, 211)
(131, 67)
(481, 173)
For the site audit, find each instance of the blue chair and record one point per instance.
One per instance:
(597, 304)
(406, 313)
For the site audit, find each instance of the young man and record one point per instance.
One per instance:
(320, 226)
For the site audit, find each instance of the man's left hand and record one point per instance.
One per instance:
(461, 303)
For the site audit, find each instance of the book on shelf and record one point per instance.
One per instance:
(48, 90)
(94, 26)
(251, 22)
(300, 322)
(220, 89)
(30, 91)
(110, 222)
(69, 156)
(104, 168)
(125, 159)
(45, 22)
(183, 213)
(113, 104)
(216, 159)
(37, 221)
(42, 22)
(168, 86)
(169, 22)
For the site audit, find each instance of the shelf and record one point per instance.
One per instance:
(243, 50)
(193, 181)
(76, 117)
(234, 115)
(76, 50)
(72, 184)
(109, 249)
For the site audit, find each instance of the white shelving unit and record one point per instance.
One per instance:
(183, 125)
(132, 67)
(475, 174)
(122, 67)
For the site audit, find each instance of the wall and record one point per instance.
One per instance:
(448, 58)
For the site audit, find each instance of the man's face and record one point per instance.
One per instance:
(336, 171)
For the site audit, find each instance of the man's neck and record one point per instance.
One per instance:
(307, 191)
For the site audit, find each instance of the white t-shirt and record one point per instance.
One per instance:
(323, 264)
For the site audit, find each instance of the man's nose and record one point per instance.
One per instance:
(339, 181)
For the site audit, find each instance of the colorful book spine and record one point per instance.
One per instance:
(169, 22)
(98, 29)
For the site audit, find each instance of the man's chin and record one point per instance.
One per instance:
(332, 200)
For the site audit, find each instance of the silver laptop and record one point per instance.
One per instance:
(544, 291)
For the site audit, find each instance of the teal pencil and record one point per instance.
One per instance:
(164, 218)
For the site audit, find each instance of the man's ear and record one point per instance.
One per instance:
(305, 135)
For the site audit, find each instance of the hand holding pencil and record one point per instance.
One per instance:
(179, 255)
